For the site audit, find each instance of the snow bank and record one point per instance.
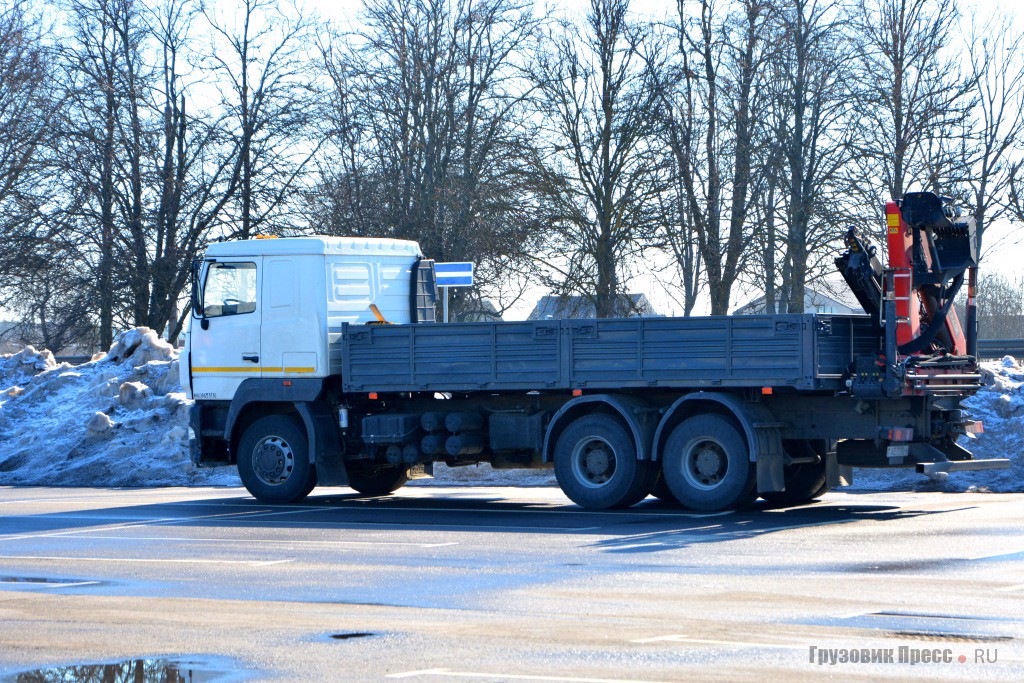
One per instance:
(122, 418)
(1000, 407)
(118, 420)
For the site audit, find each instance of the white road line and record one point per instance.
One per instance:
(41, 584)
(251, 563)
(998, 555)
(678, 638)
(1019, 586)
(249, 541)
(349, 505)
(448, 673)
(427, 525)
(157, 521)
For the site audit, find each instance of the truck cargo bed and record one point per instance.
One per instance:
(807, 352)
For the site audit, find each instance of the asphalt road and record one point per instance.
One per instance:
(510, 584)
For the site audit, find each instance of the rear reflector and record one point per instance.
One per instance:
(900, 434)
(975, 427)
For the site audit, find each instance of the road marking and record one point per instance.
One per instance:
(448, 673)
(1004, 557)
(468, 526)
(679, 638)
(1019, 586)
(156, 521)
(41, 584)
(251, 563)
(248, 541)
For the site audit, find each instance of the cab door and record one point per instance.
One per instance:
(225, 342)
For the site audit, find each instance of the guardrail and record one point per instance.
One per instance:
(997, 348)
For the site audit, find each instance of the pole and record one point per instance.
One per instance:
(445, 303)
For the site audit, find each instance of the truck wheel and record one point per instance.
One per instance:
(706, 464)
(378, 481)
(662, 492)
(273, 460)
(596, 465)
(804, 481)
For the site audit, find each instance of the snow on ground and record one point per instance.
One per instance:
(1000, 407)
(118, 420)
(121, 420)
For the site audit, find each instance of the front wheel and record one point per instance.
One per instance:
(706, 464)
(273, 460)
(596, 464)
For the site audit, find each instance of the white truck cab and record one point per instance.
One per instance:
(257, 311)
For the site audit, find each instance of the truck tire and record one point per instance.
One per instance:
(804, 481)
(596, 464)
(379, 481)
(706, 464)
(273, 460)
(662, 492)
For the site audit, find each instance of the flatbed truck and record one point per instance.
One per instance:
(318, 360)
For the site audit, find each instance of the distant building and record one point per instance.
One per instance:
(482, 311)
(814, 302)
(553, 307)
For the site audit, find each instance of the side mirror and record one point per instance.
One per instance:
(197, 294)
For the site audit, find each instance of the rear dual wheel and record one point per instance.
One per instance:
(805, 481)
(706, 464)
(596, 464)
(379, 480)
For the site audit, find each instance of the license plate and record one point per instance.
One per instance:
(897, 452)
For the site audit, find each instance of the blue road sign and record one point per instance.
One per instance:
(457, 274)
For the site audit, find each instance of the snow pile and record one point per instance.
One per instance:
(1000, 407)
(28, 362)
(118, 420)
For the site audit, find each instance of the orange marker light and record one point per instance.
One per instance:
(373, 395)
(287, 382)
(577, 392)
(766, 391)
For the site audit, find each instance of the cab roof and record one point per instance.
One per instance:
(316, 245)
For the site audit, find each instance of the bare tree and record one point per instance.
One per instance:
(428, 132)
(260, 67)
(910, 87)
(712, 103)
(27, 105)
(810, 87)
(101, 149)
(996, 129)
(597, 169)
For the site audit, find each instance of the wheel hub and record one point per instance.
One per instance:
(593, 462)
(273, 460)
(706, 465)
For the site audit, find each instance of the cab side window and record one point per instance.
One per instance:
(229, 289)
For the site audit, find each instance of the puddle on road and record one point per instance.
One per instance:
(135, 670)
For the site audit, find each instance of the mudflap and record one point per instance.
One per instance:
(770, 473)
(195, 430)
(324, 443)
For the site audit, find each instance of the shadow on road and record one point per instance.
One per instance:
(648, 527)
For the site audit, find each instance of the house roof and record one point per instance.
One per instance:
(841, 297)
(553, 306)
